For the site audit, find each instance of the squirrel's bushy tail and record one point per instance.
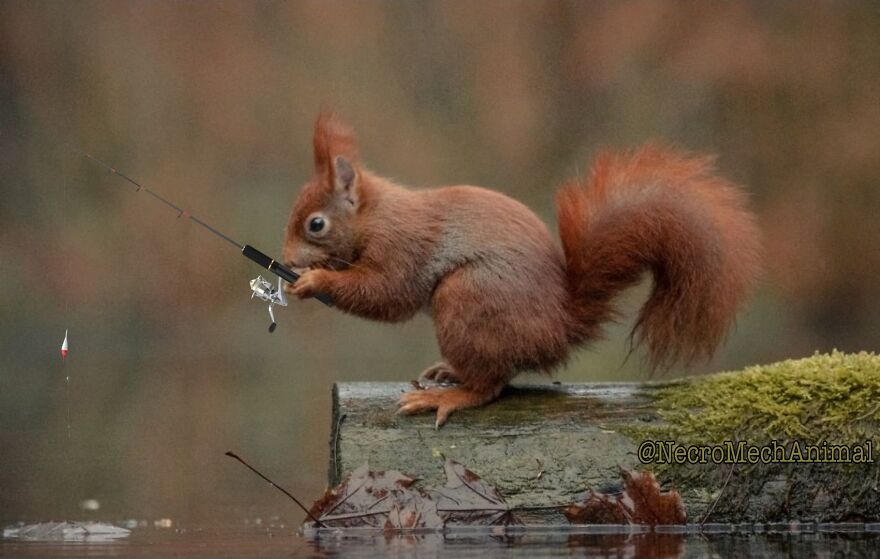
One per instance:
(661, 211)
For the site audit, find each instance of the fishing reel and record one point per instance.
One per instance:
(267, 292)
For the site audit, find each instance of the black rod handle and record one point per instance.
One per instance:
(279, 270)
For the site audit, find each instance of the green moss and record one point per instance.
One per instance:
(825, 398)
(833, 398)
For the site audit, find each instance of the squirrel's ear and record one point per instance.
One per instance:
(345, 180)
(332, 138)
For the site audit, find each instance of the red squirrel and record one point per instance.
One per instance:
(504, 297)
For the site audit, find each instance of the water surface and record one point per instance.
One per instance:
(252, 539)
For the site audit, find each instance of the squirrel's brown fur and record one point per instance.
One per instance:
(503, 296)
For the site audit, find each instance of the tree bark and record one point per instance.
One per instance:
(544, 445)
(539, 445)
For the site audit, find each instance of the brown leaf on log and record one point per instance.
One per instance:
(642, 502)
(597, 508)
(469, 499)
(376, 499)
(412, 511)
(649, 504)
(385, 499)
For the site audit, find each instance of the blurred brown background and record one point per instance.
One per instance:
(212, 104)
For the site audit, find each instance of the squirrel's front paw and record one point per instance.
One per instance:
(311, 283)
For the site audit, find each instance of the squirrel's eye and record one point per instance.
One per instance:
(316, 225)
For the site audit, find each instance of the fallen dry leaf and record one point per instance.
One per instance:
(647, 504)
(367, 498)
(469, 499)
(385, 499)
(597, 508)
(411, 511)
(642, 502)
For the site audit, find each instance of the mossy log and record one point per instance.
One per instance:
(544, 445)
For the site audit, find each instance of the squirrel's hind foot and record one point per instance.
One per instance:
(444, 400)
(441, 373)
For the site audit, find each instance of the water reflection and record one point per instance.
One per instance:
(66, 531)
(273, 540)
(651, 545)
(568, 542)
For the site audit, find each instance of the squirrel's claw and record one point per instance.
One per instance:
(414, 402)
(441, 373)
(444, 400)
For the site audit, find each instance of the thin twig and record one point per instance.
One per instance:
(346, 497)
(718, 497)
(364, 514)
(539, 507)
(278, 487)
(353, 515)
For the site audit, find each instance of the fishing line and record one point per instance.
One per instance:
(139, 187)
(64, 344)
(259, 287)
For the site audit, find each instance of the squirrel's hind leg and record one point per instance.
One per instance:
(441, 373)
(444, 400)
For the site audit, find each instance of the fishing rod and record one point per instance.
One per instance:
(260, 287)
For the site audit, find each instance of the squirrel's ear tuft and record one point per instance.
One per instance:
(332, 138)
(345, 180)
